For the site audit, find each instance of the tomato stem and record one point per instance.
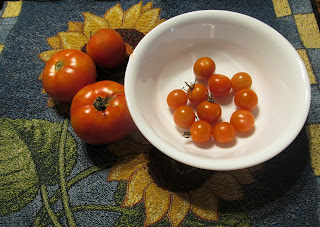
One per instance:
(186, 134)
(209, 98)
(58, 65)
(101, 104)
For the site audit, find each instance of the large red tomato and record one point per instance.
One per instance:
(66, 72)
(107, 48)
(99, 113)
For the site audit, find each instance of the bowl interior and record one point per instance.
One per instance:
(164, 59)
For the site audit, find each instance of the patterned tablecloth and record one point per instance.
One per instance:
(49, 177)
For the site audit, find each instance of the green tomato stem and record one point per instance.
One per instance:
(58, 65)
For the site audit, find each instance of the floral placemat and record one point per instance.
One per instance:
(49, 177)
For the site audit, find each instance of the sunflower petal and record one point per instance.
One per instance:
(159, 21)
(225, 186)
(75, 26)
(54, 42)
(244, 176)
(114, 16)
(93, 23)
(72, 40)
(137, 183)
(180, 205)
(126, 167)
(132, 15)
(157, 202)
(46, 55)
(204, 204)
(146, 7)
(147, 20)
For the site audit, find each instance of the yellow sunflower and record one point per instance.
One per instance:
(132, 24)
(134, 166)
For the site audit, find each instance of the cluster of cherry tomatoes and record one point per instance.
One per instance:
(196, 112)
(98, 112)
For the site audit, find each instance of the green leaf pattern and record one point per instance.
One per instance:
(28, 159)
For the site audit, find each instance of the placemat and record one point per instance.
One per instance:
(49, 177)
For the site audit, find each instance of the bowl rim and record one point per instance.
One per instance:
(203, 162)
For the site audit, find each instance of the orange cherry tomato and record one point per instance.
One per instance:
(240, 81)
(209, 111)
(224, 132)
(177, 98)
(184, 117)
(204, 67)
(246, 99)
(197, 93)
(99, 113)
(242, 120)
(66, 72)
(107, 48)
(201, 131)
(219, 85)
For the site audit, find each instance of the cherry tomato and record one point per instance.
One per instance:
(197, 93)
(242, 120)
(99, 113)
(107, 48)
(177, 98)
(204, 67)
(219, 85)
(224, 132)
(240, 81)
(66, 72)
(209, 111)
(184, 117)
(201, 131)
(246, 99)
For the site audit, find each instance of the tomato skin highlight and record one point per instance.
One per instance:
(246, 99)
(204, 67)
(201, 131)
(242, 120)
(240, 81)
(224, 132)
(107, 48)
(66, 72)
(177, 98)
(208, 111)
(219, 85)
(184, 117)
(95, 126)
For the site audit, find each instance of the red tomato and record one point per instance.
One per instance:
(99, 113)
(184, 117)
(246, 99)
(66, 72)
(208, 111)
(242, 120)
(241, 80)
(197, 93)
(219, 85)
(107, 48)
(204, 67)
(224, 132)
(201, 131)
(177, 98)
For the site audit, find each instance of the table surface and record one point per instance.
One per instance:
(49, 177)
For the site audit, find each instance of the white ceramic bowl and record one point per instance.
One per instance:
(163, 61)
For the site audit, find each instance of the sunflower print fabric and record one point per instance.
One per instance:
(49, 177)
